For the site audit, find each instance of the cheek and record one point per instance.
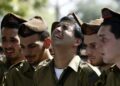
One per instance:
(17, 46)
(37, 50)
(97, 53)
(108, 46)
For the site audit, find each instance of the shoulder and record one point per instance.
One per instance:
(104, 76)
(85, 67)
(43, 64)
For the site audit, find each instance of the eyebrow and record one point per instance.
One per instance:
(32, 44)
(28, 45)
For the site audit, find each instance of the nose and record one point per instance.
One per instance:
(26, 52)
(58, 29)
(6, 44)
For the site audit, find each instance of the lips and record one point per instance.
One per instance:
(58, 34)
(9, 51)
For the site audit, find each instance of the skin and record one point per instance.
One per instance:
(11, 45)
(93, 50)
(64, 45)
(33, 49)
(110, 45)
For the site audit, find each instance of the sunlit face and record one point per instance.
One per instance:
(93, 50)
(110, 45)
(11, 43)
(63, 35)
(32, 48)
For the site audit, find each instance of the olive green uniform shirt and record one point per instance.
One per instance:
(21, 75)
(76, 74)
(110, 77)
(2, 70)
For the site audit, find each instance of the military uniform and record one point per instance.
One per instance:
(76, 74)
(22, 75)
(111, 77)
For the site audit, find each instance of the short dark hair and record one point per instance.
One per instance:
(115, 28)
(43, 35)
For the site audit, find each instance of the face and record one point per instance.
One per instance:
(110, 45)
(63, 35)
(11, 43)
(32, 48)
(93, 50)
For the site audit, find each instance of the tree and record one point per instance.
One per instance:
(20, 7)
(91, 9)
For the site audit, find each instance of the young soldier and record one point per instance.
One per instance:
(10, 39)
(92, 48)
(65, 69)
(17, 67)
(35, 41)
(109, 36)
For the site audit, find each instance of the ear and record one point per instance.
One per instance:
(47, 43)
(78, 41)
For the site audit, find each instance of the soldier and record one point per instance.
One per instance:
(93, 49)
(109, 36)
(35, 41)
(65, 69)
(16, 65)
(10, 39)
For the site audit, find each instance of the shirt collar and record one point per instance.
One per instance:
(74, 63)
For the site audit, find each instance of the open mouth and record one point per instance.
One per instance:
(9, 52)
(59, 36)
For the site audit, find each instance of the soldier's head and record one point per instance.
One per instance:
(66, 33)
(10, 39)
(33, 36)
(91, 41)
(109, 36)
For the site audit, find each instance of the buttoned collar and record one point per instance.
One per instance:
(74, 63)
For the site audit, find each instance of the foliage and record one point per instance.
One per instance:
(20, 7)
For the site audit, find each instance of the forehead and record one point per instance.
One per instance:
(104, 30)
(90, 38)
(9, 32)
(30, 39)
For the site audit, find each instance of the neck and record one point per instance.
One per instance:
(15, 61)
(43, 56)
(63, 56)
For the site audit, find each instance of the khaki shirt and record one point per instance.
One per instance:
(76, 74)
(110, 77)
(22, 75)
